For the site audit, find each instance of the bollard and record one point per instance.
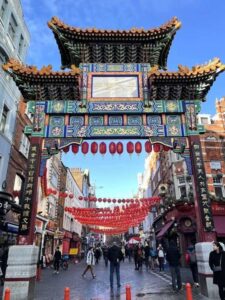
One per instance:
(67, 293)
(188, 292)
(7, 294)
(128, 292)
(38, 274)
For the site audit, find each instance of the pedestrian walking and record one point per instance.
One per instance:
(147, 254)
(136, 257)
(140, 256)
(57, 258)
(173, 258)
(105, 251)
(90, 261)
(191, 260)
(115, 255)
(153, 257)
(97, 253)
(123, 251)
(161, 256)
(4, 260)
(217, 265)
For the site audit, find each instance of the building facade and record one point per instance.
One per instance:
(14, 43)
(213, 149)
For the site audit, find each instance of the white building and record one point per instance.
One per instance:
(14, 42)
(72, 188)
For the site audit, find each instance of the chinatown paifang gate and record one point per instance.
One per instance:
(117, 88)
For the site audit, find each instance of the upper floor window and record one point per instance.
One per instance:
(21, 44)
(3, 9)
(215, 165)
(12, 27)
(205, 121)
(24, 145)
(181, 180)
(183, 191)
(4, 119)
(18, 187)
(217, 180)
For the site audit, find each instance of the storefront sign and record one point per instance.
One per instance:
(29, 190)
(218, 209)
(201, 188)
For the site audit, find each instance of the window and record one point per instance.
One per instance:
(215, 165)
(4, 119)
(217, 180)
(3, 57)
(204, 121)
(183, 191)
(24, 145)
(12, 28)
(18, 187)
(21, 43)
(181, 180)
(3, 9)
(218, 191)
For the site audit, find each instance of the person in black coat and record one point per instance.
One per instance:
(115, 256)
(217, 265)
(173, 258)
(57, 258)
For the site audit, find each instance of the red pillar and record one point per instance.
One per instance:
(30, 197)
(204, 217)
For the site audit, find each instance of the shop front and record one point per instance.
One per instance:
(218, 210)
(49, 241)
(178, 224)
(66, 242)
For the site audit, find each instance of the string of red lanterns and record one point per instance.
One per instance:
(118, 148)
(114, 220)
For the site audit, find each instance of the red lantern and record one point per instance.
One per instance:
(156, 147)
(54, 192)
(148, 147)
(138, 147)
(114, 200)
(75, 148)
(166, 148)
(85, 147)
(66, 149)
(71, 196)
(130, 147)
(102, 148)
(80, 198)
(112, 148)
(94, 148)
(119, 148)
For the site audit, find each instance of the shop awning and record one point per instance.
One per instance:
(163, 230)
(219, 222)
(12, 228)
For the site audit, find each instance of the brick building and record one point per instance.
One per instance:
(19, 153)
(213, 149)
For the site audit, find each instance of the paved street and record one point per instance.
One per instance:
(145, 285)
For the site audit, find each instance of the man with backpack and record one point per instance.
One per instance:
(192, 261)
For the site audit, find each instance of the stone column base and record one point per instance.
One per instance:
(21, 272)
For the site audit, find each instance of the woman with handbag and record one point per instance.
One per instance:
(217, 265)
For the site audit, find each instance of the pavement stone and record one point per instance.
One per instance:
(145, 285)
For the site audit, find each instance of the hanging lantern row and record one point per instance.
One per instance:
(60, 194)
(109, 200)
(114, 220)
(116, 148)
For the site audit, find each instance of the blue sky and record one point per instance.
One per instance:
(200, 39)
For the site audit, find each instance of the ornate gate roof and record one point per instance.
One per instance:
(47, 84)
(93, 45)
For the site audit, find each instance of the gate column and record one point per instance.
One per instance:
(22, 261)
(204, 219)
